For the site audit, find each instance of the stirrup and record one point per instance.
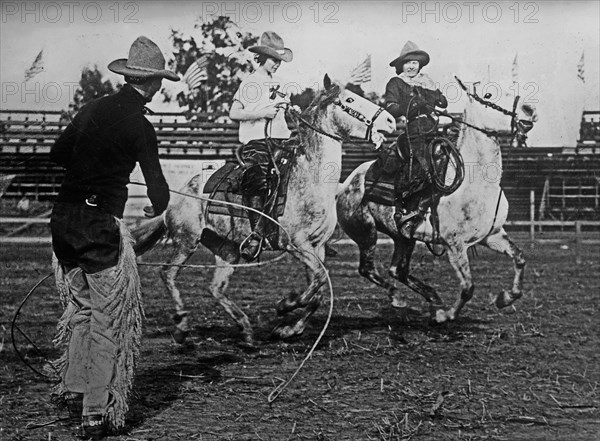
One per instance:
(248, 251)
(407, 217)
(409, 224)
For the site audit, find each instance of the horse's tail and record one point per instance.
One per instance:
(148, 234)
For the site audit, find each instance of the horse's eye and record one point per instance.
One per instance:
(349, 100)
(239, 34)
(487, 96)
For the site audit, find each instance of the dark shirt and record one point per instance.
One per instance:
(100, 149)
(402, 99)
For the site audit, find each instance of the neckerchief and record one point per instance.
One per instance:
(421, 79)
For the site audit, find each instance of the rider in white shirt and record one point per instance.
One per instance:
(258, 105)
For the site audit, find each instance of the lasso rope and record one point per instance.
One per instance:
(14, 326)
(280, 388)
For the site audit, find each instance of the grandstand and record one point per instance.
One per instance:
(565, 180)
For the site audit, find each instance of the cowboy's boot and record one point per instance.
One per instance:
(252, 245)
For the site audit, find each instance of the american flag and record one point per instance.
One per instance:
(515, 69)
(361, 73)
(36, 67)
(196, 73)
(580, 69)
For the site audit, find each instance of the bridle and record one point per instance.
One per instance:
(359, 116)
(369, 122)
(518, 127)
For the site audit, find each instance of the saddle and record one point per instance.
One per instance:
(225, 185)
(388, 180)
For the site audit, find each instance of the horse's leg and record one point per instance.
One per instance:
(400, 269)
(310, 299)
(361, 228)
(501, 243)
(181, 254)
(218, 286)
(460, 262)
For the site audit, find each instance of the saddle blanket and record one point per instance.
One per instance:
(386, 174)
(224, 185)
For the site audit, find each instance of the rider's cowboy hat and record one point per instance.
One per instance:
(145, 61)
(271, 45)
(411, 52)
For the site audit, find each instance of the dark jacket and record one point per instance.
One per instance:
(100, 149)
(402, 99)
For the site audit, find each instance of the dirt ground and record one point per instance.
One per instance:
(530, 372)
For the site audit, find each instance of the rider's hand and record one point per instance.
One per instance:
(149, 211)
(269, 111)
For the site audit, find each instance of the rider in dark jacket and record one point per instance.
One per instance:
(410, 98)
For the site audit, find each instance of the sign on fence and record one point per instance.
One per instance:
(177, 172)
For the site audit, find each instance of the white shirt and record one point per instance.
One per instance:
(255, 93)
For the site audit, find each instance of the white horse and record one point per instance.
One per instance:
(474, 214)
(308, 221)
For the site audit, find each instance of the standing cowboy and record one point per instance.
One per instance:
(95, 267)
(411, 98)
(258, 104)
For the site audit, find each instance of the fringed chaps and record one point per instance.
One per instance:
(126, 312)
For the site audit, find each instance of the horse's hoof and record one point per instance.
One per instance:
(398, 302)
(506, 298)
(285, 332)
(441, 316)
(179, 336)
(286, 305)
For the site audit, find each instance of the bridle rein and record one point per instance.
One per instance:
(349, 110)
(518, 127)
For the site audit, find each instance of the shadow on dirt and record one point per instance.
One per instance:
(388, 321)
(158, 387)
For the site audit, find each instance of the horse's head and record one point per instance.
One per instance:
(501, 113)
(353, 115)
(526, 116)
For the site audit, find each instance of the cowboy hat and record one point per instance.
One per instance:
(410, 52)
(145, 61)
(271, 45)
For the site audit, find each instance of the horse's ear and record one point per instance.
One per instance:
(327, 82)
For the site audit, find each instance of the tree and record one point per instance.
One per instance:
(91, 87)
(227, 62)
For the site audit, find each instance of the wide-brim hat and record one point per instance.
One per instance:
(411, 52)
(272, 45)
(145, 61)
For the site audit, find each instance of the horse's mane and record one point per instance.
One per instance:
(324, 98)
(313, 114)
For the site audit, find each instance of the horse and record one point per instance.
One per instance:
(309, 217)
(473, 214)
